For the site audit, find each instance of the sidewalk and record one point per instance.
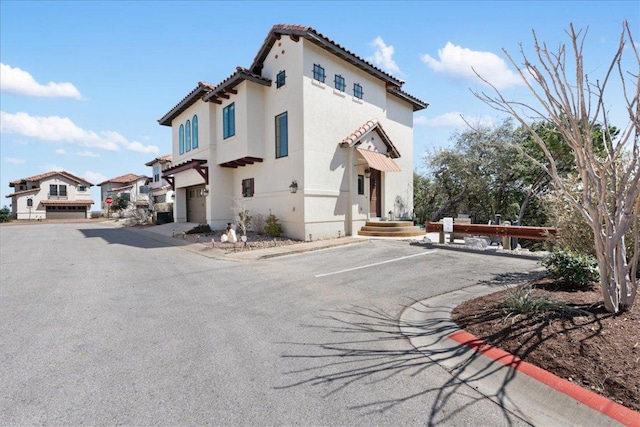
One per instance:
(517, 386)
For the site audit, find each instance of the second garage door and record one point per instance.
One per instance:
(196, 210)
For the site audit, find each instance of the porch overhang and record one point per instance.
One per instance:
(241, 162)
(379, 161)
(66, 202)
(195, 164)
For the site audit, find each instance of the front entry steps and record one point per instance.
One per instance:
(391, 229)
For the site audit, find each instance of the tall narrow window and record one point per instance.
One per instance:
(281, 79)
(156, 174)
(357, 91)
(29, 202)
(339, 82)
(181, 139)
(194, 126)
(228, 121)
(187, 136)
(62, 190)
(318, 73)
(282, 137)
(360, 184)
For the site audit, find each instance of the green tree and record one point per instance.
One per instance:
(120, 204)
(5, 214)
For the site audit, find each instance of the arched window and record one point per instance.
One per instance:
(181, 139)
(188, 134)
(29, 202)
(194, 125)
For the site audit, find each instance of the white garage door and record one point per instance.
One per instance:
(196, 210)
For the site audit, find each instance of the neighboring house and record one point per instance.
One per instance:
(160, 190)
(310, 132)
(52, 195)
(130, 186)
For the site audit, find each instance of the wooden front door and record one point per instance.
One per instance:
(375, 194)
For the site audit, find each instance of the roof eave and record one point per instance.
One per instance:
(189, 100)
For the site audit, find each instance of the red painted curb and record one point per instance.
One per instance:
(593, 400)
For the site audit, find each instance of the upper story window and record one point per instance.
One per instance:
(357, 91)
(187, 133)
(156, 173)
(228, 121)
(318, 73)
(181, 139)
(281, 79)
(194, 126)
(282, 136)
(53, 190)
(82, 188)
(62, 190)
(339, 83)
(247, 187)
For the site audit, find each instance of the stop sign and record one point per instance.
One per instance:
(108, 200)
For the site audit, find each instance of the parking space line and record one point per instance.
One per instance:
(374, 264)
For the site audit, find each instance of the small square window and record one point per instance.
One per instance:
(247, 187)
(281, 79)
(318, 73)
(339, 83)
(360, 184)
(357, 91)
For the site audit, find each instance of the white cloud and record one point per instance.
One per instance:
(60, 151)
(94, 177)
(452, 120)
(460, 63)
(62, 129)
(14, 160)
(383, 56)
(20, 82)
(87, 154)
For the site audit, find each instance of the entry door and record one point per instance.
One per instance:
(196, 211)
(375, 193)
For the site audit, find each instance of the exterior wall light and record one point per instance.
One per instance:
(367, 173)
(293, 187)
(206, 191)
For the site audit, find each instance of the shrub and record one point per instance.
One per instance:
(573, 269)
(521, 300)
(244, 221)
(199, 229)
(5, 214)
(273, 227)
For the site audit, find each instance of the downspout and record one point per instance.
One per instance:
(349, 227)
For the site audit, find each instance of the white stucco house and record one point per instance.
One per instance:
(52, 195)
(310, 132)
(130, 186)
(160, 190)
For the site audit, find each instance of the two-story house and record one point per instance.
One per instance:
(160, 190)
(52, 195)
(131, 187)
(310, 132)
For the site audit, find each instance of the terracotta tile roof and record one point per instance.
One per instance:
(368, 126)
(40, 177)
(124, 179)
(20, 193)
(241, 74)
(67, 202)
(202, 89)
(162, 159)
(417, 104)
(122, 188)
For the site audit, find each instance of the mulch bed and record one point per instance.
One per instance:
(583, 343)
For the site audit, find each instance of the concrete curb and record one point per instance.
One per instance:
(491, 252)
(500, 376)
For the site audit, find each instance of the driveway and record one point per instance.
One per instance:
(106, 326)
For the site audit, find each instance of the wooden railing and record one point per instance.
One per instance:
(505, 231)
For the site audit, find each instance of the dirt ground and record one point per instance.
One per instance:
(583, 343)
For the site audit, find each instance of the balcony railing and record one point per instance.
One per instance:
(57, 197)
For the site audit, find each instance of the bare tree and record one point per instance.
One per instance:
(610, 190)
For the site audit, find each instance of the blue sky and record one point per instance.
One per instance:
(84, 83)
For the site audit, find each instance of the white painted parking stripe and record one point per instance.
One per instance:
(373, 265)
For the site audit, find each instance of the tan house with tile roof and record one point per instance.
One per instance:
(51, 195)
(131, 186)
(310, 132)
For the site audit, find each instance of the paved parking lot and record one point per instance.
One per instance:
(105, 326)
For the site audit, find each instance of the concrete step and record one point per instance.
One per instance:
(414, 233)
(389, 224)
(391, 229)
